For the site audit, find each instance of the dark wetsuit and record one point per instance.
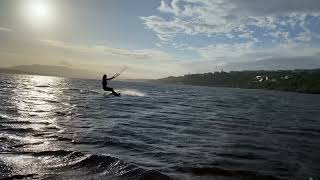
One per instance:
(105, 85)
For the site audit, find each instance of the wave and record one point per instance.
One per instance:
(132, 92)
(152, 174)
(137, 147)
(245, 156)
(57, 138)
(52, 101)
(82, 91)
(42, 86)
(86, 91)
(126, 92)
(51, 153)
(239, 174)
(4, 116)
(17, 130)
(22, 122)
(53, 128)
(85, 166)
(27, 144)
(16, 122)
(18, 176)
(70, 89)
(64, 113)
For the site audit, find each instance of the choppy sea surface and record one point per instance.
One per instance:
(60, 128)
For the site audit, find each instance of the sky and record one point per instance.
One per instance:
(157, 38)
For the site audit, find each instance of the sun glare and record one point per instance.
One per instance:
(38, 12)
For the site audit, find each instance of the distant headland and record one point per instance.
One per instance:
(303, 81)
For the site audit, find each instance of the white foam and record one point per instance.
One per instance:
(4, 116)
(131, 92)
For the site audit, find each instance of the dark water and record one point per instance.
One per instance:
(58, 128)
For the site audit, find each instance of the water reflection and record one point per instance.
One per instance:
(67, 126)
(36, 95)
(36, 101)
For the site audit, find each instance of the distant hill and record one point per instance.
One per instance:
(51, 71)
(305, 81)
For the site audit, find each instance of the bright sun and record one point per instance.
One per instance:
(38, 11)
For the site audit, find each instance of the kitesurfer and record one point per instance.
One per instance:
(105, 84)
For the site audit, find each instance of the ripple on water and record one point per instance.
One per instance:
(67, 127)
(82, 166)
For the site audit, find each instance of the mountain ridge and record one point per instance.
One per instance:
(52, 70)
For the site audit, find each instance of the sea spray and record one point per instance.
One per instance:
(131, 92)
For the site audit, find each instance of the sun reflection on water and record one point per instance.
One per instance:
(38, 96)
(30, 113)
(38, 100)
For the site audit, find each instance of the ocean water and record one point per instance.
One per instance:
(60, 128)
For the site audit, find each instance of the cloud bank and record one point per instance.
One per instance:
(5, 29)
(141, 63)
(142, 54)
(242, 30)
(231, 18)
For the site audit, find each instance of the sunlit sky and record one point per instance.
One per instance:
(157, 38)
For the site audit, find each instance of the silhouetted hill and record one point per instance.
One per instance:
(306, 81)
(52, 71)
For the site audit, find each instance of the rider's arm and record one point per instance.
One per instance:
(110, 78)
(116, 75)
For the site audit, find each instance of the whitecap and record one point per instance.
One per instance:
(132, 92)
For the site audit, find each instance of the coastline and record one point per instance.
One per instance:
(299, 81)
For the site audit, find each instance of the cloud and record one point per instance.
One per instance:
(261, 7)
(141, 63)
(229, 18)
(248, 52)
(245, 56)
(304, 36)
(247, 30)
(5, 29)
(225, 51)
(140, 54)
